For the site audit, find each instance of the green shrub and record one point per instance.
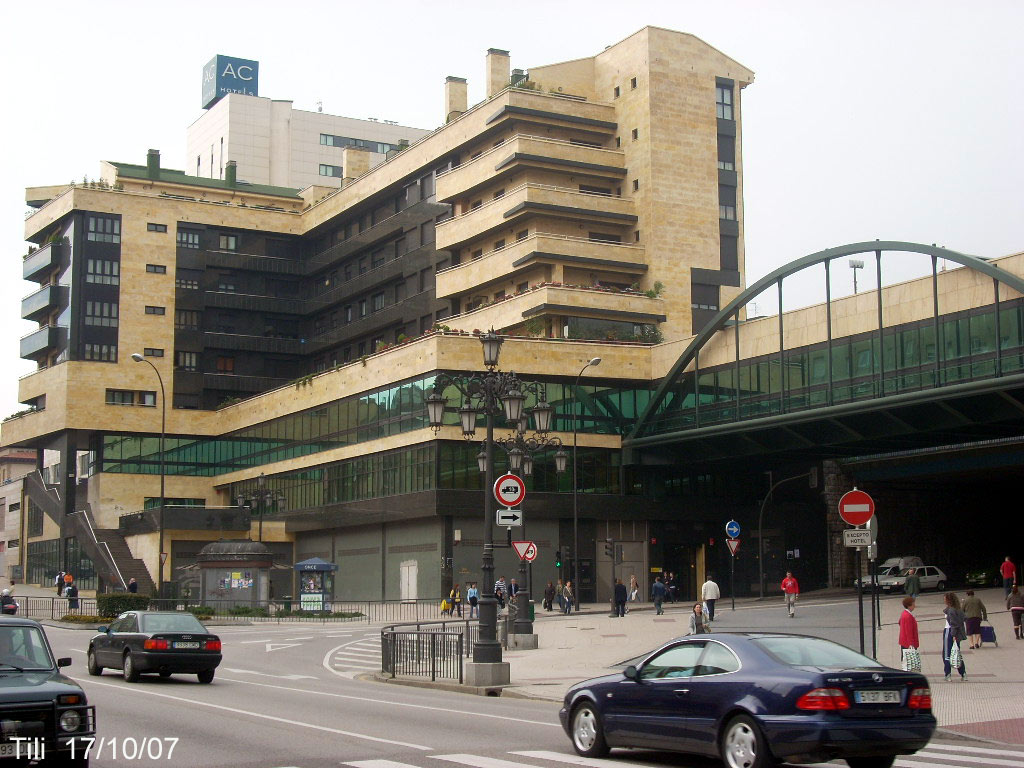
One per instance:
(80, 618)
(116, 603)
(246, 610)
(200, 609)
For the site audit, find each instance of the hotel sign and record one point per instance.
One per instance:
(226, 74)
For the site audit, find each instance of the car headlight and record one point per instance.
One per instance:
(70, 720)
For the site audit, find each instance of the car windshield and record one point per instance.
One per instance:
(812, 652)
(171, 622)
(24, 648)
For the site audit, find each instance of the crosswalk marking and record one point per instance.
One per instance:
(979, 750)
(559, 757)
(378, 764)
(478, 761)
(960, 759)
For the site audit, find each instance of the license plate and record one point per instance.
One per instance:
(188, 645)
(877, 697)
(9, 750)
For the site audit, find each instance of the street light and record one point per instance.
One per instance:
(855, 264)
(163, 431)
(596, 361)
(493, 393)
(262, 498)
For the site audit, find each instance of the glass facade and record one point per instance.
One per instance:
(42, 561)
(78, 564)
(862, 368)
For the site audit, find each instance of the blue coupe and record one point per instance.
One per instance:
(755, 699)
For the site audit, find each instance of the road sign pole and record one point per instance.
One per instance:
(732, 580)
(874, 604)
(860, 602)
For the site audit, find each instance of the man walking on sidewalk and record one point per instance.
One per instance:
(791, 591)
(658, 596)
(709, 593)
(1009, 573)
(620, 598)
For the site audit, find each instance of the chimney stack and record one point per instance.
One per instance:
(355, 161)
(456, 98)
(153, 164)
(231, 173)
(498, 73)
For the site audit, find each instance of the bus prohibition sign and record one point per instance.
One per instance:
(856, 507)
(509, 490)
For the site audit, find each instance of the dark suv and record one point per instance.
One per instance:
(44, 715)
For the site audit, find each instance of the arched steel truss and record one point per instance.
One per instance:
(731, 313)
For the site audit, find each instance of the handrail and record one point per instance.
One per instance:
(92, 532)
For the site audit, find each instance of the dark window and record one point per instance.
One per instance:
(726, 152)
(635, 133)
(330, 170)
(728, 245)
(227, 286)
(704, 296)
(499, 193)
(522, 234)
(618, 142)
(151, 227)
(225, 365)
(499, 244)
(154, 310)
(615, 92)
(475, 204)
(181, 282)
(186, 320)
(377, 301)
(376, 258)
(522, 287)
(426, 232)
(400, 291)
(156, 269)
(101, 313)
(636, 236)
(723, 102)
(104, 229)
(726, 202)
(401, 247)
(632, 82)
(362, 307)
(103, 271)
(636, 184)
(591, 190)
(188, 238)
(229, 242)
(363, 265)
(424, 279)
(604, 237)
(120, 397)
(153, 352)
(727, 212)
(106, 353)
(348, 313)
(185, 361)
(478, 253)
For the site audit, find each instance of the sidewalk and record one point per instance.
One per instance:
(589, 644)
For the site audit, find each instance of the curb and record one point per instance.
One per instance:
(489, 690)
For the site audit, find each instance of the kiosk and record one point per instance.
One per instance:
(316, 584)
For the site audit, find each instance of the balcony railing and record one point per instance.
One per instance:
(39, 342)
(37, 305)
(42, 260)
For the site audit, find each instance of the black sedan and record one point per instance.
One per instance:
(754, 699)
(165, 642)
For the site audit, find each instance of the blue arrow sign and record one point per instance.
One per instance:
(732, 529)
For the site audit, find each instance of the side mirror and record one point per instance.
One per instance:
(103, 628)
(64, 662)
(631, 673)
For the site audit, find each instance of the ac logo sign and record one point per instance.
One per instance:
(226, 74)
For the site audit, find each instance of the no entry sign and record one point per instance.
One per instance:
(856, 507)
(509, 490)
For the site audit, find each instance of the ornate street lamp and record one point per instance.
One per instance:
(262, 498)
(163, 474)
(575, 484)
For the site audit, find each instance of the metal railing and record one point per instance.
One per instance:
(423, 654)
(468, 628)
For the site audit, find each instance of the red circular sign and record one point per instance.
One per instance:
(856, 507)
(509, 490)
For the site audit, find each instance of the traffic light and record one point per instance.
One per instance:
(609, 548)
(558, 558)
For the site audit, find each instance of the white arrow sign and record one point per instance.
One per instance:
(509, 517)
(280, 646)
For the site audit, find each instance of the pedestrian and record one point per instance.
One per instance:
(698, 621)
(710, 592)
(455, 596)
(71, 592)
(499, 591)
(791, 591)
(473, 595)
(549, 596)
(952, 634)
(8, 607)
(634, 588)
(567, 597)
(513, 590)
(658, 593)
(620, 598)
(1015, 605)
(974, 612)
(912, 584)
(59, 582)
(1009, 573)
(133, 585)
(673, 586)
(559, 595)
(910, 642)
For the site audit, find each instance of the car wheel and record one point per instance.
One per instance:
(884, 761)
(743, 745)
(587, 732)
(164, 673)
(206, 676)
(94, 669)
(131, 672)
(941, 586)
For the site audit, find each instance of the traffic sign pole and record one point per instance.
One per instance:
(732, 580)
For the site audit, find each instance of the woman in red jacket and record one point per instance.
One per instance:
(908, 636)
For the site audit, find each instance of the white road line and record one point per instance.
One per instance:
(250, 642)
(479, 761)
(978, 750)
(559, 757)
(356, 660)
(392, 704)
(296, 638)
(236, 712)
(378, 764)
(371, 654)
(927, 753)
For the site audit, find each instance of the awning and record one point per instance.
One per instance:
(315, 564)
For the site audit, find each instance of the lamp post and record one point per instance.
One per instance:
(163, 431)
(262, 498)
(493, 393)
(760, 525)
(596, 361)
(855, 264)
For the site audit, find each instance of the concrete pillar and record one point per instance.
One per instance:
(840, 558)
(456, 97)
(498, 71)
(355, 161)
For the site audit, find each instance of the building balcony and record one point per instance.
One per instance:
(38, 264)
(238, 383)
(249, 343)
(540, 248)
(530, 151)
(253, 302)
(548, 300)
(549, 109)
(38, 344)
(36, 306)
(531, 200)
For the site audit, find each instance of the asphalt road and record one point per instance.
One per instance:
(287, 696)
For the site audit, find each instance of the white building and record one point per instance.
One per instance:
(281, 146)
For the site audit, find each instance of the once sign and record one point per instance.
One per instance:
(857, 537)
(509, 490)
(856, 507)
(526, 550)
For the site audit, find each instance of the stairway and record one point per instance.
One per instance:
(128, 566)
(45, 497)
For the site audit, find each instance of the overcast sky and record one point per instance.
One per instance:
(891, 120)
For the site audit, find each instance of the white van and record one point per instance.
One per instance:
(905, 561)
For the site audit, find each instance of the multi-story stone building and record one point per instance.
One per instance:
(589, 208)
